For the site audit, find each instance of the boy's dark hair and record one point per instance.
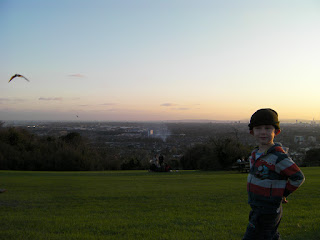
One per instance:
(265, 116)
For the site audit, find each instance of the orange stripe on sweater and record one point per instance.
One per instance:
(290, 170)
(290, 187)
(266, 192)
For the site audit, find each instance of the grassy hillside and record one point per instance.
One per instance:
(143, 205)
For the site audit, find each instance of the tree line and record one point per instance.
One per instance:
(22, 150)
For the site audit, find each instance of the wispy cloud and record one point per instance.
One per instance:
(4, 99)
(168, 105)
(108, 104)
(181, 109)
(76, 75)
(95, 105)
(175, 107)
(11, 100)
(50, 99)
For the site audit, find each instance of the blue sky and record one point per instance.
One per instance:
(159, 60)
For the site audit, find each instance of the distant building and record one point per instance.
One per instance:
(312, 139)
(298, 139)
(150, 133)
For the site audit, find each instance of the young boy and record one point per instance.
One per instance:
(272, 177)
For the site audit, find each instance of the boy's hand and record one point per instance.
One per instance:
(284, 200)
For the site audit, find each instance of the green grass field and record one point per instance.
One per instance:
(142, 205)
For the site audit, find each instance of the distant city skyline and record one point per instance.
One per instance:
(77, 120)
(159, 60)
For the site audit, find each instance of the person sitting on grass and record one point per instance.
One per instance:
(154, 164)
(272, 177)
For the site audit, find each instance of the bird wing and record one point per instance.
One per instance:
(18, 75)
(13, 77)
(25, 78)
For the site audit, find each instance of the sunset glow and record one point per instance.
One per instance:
(159, 60)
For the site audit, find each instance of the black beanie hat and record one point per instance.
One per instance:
(265, 116)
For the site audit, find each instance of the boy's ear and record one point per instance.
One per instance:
(277, 131)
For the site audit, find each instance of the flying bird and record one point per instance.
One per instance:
(18, 75)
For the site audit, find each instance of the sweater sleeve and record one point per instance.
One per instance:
(295, 178)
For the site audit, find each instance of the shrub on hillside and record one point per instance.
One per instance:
(312, 157)
(217, 154)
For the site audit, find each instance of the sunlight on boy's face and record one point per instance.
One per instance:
(264, 134)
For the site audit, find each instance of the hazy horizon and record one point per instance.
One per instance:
(242, 121)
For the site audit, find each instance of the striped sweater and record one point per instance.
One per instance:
(272, 176)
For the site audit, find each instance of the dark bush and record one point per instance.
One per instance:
(217, 154)
(312, 158)
(21, 150)
(132, 164)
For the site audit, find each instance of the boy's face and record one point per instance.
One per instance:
(264, 134)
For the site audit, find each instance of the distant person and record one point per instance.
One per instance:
(156, 161)
(154, 164)
(272, 177)
(240, 164)
(161, 162)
